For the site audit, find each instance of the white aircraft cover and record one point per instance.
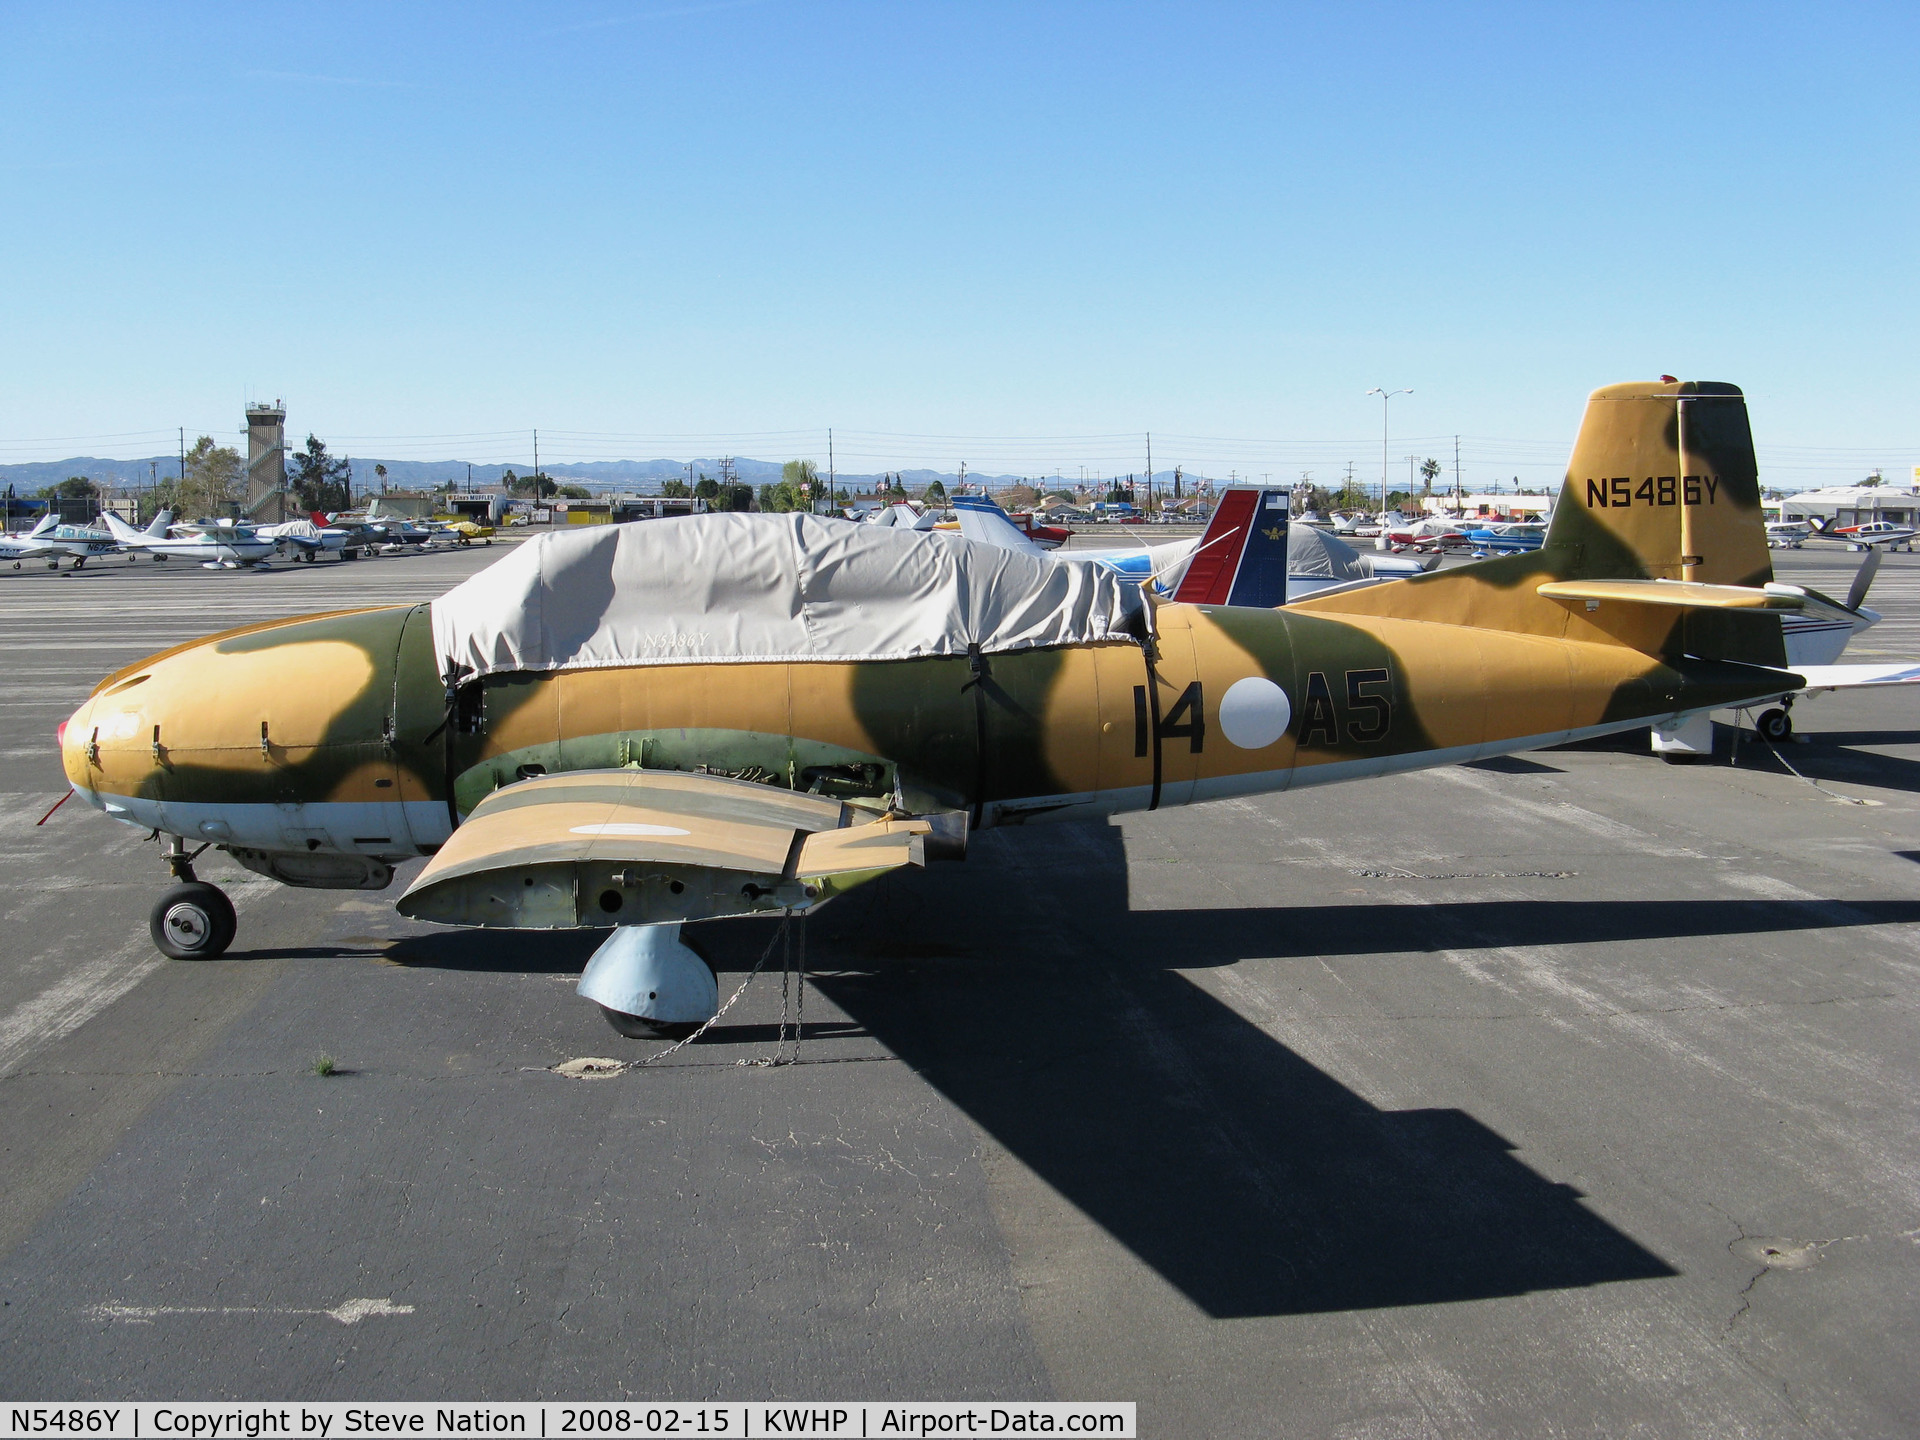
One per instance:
(291, 530)
(750, 588)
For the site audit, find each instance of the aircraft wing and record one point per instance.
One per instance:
(641, 847)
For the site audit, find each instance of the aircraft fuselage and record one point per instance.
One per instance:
(335, 734)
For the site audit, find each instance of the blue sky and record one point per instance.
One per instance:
(1016, 235)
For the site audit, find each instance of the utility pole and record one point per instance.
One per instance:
(1456, 472)
(536, 463)
(1149, 472)
(831, 486)
(183, 455)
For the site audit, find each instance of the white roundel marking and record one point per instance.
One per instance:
(1254, 713)
(626, 827)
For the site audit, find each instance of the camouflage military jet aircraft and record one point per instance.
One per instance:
(740, 714)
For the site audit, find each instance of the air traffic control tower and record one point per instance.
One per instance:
(267, 462)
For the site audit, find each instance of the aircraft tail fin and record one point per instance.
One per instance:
(158, 529)
(983, 521)
(48, 522)
(1242, 559)
(1663, 485)
(120, 530)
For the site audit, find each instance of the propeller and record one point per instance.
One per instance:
(1869, 567)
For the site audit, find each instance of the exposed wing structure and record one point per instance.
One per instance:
(642, 847)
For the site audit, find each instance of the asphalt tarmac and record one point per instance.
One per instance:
(1573, 1093)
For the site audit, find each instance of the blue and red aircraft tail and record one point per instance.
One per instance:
(1242, 559)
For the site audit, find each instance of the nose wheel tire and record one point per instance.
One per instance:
(1774, 726)
(193, 921)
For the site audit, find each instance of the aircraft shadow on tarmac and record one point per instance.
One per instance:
(1023, 987)
(1246, 1177)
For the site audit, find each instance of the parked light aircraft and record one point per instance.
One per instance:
(1435, 532)
(304, 539)
(26, 544)
(735, 714)
(1508, 539)
(1873, 532)
(81, 542)
(214, 546)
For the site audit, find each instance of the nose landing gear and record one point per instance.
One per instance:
(192, 920)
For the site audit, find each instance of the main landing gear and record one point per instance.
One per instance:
(192, 920)
(1774, 726)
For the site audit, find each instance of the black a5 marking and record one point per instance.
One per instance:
(1368, 695)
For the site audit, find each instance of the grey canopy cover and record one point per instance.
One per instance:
(1315, 553)
(748, 588)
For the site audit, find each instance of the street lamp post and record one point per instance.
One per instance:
(1385, 395)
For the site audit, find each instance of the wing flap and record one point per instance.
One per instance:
(637, 847)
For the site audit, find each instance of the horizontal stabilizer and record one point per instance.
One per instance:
(642, 847)
(1855, 677)
(1683, 593)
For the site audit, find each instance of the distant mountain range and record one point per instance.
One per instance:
(643, 476)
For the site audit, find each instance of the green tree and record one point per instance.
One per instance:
(570, 492)
(705, 489)
(321, 481)
(801, 481)
(676, 490)
(1119, 494)
(1429, 472)
(74, 487)
(935, 494)
(381, 472)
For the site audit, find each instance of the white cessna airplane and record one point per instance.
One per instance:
(217, 547)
